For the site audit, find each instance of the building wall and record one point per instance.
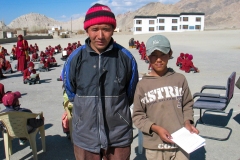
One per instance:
(191, 23)
(178, 25)
(145, 26)
(167, 24)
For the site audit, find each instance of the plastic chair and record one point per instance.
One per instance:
(215, 102)
(16, 127)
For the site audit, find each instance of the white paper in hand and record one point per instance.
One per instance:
(33, 75)
(189, 142)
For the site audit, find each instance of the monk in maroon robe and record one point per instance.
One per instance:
(78, 44)
(2, 54)
(27, 74)
(2, 92)
(14, 52)
(189, 65)
(22, 47)
(5, 66)
(180, 60)
(36, 47)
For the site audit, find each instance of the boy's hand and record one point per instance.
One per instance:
(190, 127)
(162, 133)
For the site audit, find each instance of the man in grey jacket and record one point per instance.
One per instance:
(100, 78)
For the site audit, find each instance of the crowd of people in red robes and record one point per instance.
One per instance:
(69, 49)
(141, 47)
(184, 61)
(22, 52)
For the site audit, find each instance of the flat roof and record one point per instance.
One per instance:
(168, 15)
(192, 13)
(145, 17)
(171, 15)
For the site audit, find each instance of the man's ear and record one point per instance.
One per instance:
(87, 31)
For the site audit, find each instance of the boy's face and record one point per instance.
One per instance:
(30, 68)
(159, 62)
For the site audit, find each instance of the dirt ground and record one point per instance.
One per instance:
(215, 53)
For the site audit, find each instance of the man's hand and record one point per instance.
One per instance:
(190, 127)
(162, 133)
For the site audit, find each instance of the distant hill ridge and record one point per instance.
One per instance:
(219, 14)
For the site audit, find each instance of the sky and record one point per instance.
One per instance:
(64, 10)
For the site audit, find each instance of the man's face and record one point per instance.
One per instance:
(100, 36)
(159, 62)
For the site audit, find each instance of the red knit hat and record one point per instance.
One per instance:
(190, 57)
(99, 14)
(31, 64)
(10, 98)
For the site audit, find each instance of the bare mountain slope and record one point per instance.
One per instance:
(33, 21)
(219, 14)
(3, 26)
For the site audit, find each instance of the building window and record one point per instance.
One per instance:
(185, 19)
(185, 27)
(138, 28)
(162, 28)
(198, 27)
(174, 20)
(198, 19)
(191, 27)
(174, 28)
(161, 20)
(151, 21)
(138, 21)
(151, 29)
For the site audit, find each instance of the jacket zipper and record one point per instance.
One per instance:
(99, 94)
(77, 122)
(121, 117)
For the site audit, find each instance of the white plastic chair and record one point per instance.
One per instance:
(16, 126)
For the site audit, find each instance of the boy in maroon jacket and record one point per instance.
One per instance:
(30, 76)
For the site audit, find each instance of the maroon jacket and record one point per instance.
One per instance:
(27, 73)
(189, 65)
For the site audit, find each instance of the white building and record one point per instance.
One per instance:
(169, 23)
(56, 28)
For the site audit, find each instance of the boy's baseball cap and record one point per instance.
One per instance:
(11, 98)
(158, 42)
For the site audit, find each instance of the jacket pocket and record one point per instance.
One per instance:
(124, 119)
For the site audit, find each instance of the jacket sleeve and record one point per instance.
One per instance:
(187, 102)
(25, 75)
(140, 119)
(133, 81)
(69, 74)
